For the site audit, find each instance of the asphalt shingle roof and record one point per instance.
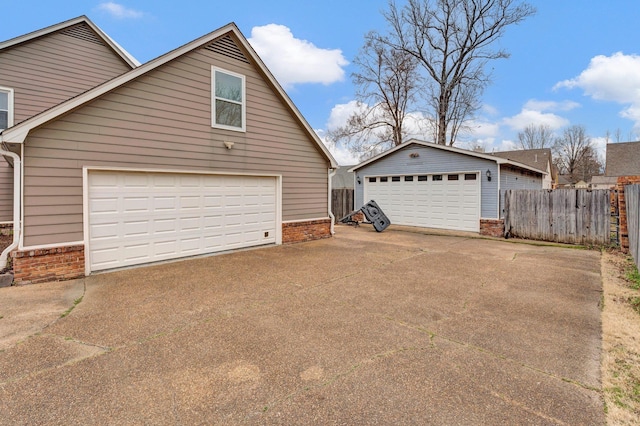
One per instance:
(536, 158)
(623, 159)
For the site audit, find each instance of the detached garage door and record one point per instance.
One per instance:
(137, 218)
(446, 201)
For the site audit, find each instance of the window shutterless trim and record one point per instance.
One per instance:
(10, 105)
(242, 103)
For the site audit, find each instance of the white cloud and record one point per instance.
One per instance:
(342, 154)
(614, 78)
(609, 78)
(506, 145)
(340, 113)
(534, 112)
(294, 61)
(119, 11)
(483, 129)
(600, 145)
(536, 105)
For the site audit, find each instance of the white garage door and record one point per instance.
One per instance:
(137, 218)
(446, 201)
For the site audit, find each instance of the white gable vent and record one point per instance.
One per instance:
(227, 47)
(83, 32)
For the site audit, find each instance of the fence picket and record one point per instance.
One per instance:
(632, 198)
(562, 215)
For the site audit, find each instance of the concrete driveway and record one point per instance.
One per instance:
(363, 328)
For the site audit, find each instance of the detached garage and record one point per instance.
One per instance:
(434, 186)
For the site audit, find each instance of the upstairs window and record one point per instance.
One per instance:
(6, 108)
(228, 100)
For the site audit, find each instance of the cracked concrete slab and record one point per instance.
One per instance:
(364, 328)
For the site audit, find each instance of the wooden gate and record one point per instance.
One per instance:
(341, 202)
(575, 216)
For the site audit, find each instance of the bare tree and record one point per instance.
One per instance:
(451, 40)
(575, 155)
(536, 137)
(386, 87)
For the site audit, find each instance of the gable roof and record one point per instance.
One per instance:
(19, 132)
(537, 158)
(623, 159)
(126, 56)
(498, 160)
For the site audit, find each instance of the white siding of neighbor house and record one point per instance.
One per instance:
(511, 178)
(433, 160)
(162, 121)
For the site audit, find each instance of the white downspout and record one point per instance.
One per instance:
(332, 173)
(17, 226)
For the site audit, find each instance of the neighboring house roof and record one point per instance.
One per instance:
(564, 180)
(126, 56)
(343, 178)
(498, 160)
(19, 132)
(604, 180)
(623, 159)
(537, 158)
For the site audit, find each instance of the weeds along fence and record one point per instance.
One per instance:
(632, 198)
(574, 216)
(341, 202)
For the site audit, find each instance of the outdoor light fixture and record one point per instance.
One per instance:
(488, 175)
(359, 181)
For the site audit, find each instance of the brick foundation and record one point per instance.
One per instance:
(297, 232)
(6, 228)
(492, 227)
(622, 209)
(53, 264)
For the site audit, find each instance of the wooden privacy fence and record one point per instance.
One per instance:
(575, 216)
(341, 202)
(632, 197)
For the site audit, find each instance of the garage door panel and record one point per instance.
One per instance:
(144, 217)
(451, 203)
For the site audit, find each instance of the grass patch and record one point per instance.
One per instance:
(633, 276)
(75, 303)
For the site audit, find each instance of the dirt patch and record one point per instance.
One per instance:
(620, 342)
(5, 240)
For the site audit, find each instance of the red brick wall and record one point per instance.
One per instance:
(622, 209)
(492, 227)
(297, 232)
(54, 264)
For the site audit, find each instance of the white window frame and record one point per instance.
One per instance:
(9, 92)
(243, 103)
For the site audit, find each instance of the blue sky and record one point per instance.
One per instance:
(574, 62)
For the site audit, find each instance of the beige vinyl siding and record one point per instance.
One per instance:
(49, 70)
(6, 191)
(162, 121)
